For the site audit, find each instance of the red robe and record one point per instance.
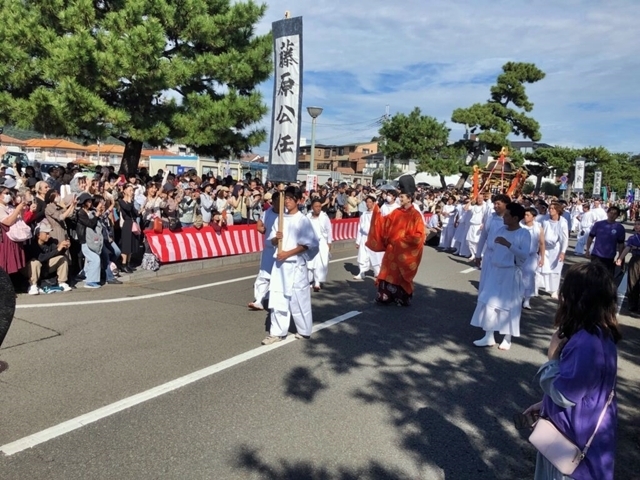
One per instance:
(401, 236)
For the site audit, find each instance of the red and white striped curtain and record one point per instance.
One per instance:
(195, 244)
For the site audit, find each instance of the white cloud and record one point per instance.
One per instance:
(586, 47)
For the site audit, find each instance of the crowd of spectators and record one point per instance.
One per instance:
(71, 225)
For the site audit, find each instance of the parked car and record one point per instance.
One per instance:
(11, 158)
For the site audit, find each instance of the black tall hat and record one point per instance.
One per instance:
(407, 185)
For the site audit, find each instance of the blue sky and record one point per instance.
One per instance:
(361, 55)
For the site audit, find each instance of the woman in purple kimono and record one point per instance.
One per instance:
(581, 372)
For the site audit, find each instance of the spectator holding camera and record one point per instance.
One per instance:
(254, 206)
(187, 207)
(88, 221)
(56, 214)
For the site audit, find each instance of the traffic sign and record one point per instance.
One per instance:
(564, 179)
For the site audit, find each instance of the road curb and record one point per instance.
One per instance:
(211, 263)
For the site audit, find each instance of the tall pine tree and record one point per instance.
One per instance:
(154, 71)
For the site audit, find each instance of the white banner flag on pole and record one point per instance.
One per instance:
(578, 182)
(287, 101)
(597, 182)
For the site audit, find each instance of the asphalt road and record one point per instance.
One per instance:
(390, 393)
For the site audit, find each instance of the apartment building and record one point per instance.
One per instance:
(346, 159)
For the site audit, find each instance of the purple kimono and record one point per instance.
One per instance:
(584, 378)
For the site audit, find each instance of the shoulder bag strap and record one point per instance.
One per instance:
(604, 410)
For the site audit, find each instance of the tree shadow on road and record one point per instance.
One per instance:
(450, 404)
(250, 460)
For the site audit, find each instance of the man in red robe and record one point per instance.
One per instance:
(400, 235)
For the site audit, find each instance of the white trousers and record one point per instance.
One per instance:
(299, 306)
(550, 282)
(261, 286)
(369, 260)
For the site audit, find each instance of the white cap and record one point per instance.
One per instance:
(9, 182)
(10, 171)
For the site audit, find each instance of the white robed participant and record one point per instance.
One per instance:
(367, 258)
(448, 224)
(556, 241)
(576, 211)
(535, 260)
(289, 293)
(462, 229)
(319, 266)
(267, 258)
(475, 226)
(500, 299)
(390, 203)
(488, 235)
(599, 213)
(586, 221)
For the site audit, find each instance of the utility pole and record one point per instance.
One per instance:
(384, 158)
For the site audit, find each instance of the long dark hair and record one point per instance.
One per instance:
(588, 301)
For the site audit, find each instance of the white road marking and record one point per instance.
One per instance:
(108, 410)
(151, 295)
(469, 270)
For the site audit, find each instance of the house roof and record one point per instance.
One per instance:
(251, 157)
(105, 149)
(7, 140)
(152, 152)
(54, 143)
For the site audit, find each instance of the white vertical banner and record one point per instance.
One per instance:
(597, 182)
(312, 183)
(578, 178)
(287, 100)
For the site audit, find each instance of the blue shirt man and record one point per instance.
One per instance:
(609, 236)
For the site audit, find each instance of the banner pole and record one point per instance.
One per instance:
(280, 214)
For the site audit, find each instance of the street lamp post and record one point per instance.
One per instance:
(315, 113)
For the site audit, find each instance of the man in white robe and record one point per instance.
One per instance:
(586, 221)
(449, 214)
(500, 299)
(390, 202)
(556, 241)
(264, 226)
(475, 226)
(319, 266)
(289, 292)
(460, 243)
(488, 235)
(536, 256)
(599, 213)
(367, 258)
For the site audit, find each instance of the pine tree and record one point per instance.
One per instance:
(144, 71)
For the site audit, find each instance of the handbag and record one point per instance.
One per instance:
(174, 224)
(19, 231)
(135, 228)
(94, 238)
(558, 449)
(157, 225)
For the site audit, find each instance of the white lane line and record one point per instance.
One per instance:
(469, 270)
(108, 410)
(151, 295)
